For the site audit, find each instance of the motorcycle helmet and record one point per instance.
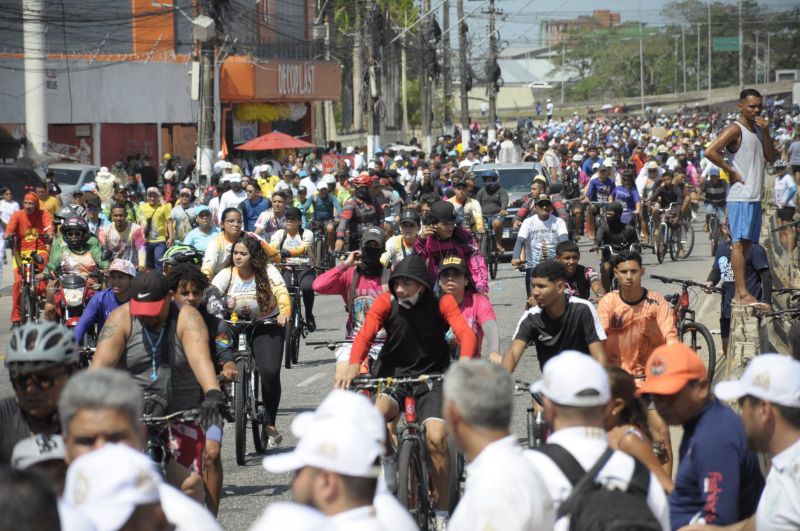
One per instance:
(75, 232)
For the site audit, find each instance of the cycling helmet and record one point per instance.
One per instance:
(409, 214)
(75, 232)
(780, 164)
(362, 181)
(182, 254)
(37, 345)
(490, 175)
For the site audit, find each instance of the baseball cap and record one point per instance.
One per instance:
(771, 377)
(322, 186)
(93, 202)
(670, 368)
(540, 179)
(199, 209)
(148, 293)
(37, 449)
(345, 406)
(652, 165)
(294, 213)
(107, 484)
(543, 198)
(334, 444)
(235, 177)
(443, 211)
(373, 234)
(123, 266)
(453, 262)
(302, 190)
(608, 163)
(573, 378)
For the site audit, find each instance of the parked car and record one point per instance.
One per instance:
(72, 176)
(20, 179)
(516, 179)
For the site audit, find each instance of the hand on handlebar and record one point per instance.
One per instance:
(495, 357)
(345, 380)
(229, 371)
(339, 245)
(708, 287)
(516, 262)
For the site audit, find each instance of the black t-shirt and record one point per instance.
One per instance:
(149, 176)
(665, 195)
(575, 330)
(580, 285)
(13, 428)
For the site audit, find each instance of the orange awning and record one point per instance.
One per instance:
(274, 80)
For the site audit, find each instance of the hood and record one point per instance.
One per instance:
(412, 266)
(30, 196)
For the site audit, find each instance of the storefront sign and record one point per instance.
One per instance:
(244, 131)
(295, 79)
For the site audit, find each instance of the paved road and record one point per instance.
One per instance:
(248, 489)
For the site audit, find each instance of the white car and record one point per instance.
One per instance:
(71, 176)
(540, 85)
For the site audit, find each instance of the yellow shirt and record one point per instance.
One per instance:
(156, 229)
(51, 204)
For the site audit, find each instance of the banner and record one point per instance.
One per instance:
(725, 44)
(244, 131)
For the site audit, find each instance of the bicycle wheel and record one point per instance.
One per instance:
(240, 411)
(295, 339)
(287, 351)
(257, 426)
(699, 339)
(686, 241)
(456, 475)
(411, 489)
(531, 417)
(673, 237)
(661, 243)
(494, 261)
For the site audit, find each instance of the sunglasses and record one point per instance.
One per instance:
(42, 381)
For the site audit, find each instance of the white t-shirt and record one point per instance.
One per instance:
(503, 491)
(782, 187)
(303, 238)
(779, 506)
(550, 109)
(536, 233)
(6, 209)
(311, 186)
(587, 446)
(231, 199)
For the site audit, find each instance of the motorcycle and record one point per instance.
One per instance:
(74, 294)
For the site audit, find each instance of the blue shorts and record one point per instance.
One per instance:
(744, 219)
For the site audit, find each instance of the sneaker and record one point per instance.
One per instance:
(441, 520)
(311, 324)
(390, 472)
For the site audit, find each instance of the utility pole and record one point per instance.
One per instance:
(462, 67)
(675, 70)
(358, 76)
(374, 86)
(35, 86)
(492, 131)
(403, 74)
(741, 49)
(766, 61)
(446, 67)
(683, 54)
(710, 45)
(204, 34)
(755, 56)
(563, 60)
(641, 61)
(424, 80)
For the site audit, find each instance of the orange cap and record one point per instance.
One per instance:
(670, 368)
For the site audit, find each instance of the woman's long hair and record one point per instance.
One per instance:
(623, 387)
(259, 261)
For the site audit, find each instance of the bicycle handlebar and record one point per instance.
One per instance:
(687, 283)
(247, 322)
(792, 312)
(367, 382)
(189, 415)
(787, 225)
(519, 385)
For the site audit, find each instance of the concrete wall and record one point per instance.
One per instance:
(125, 92)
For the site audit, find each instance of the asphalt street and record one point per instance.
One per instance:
(249, 489)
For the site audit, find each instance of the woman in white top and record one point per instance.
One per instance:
(785, 200)
(219, 247)
(254, 289)
(295, 245)
(7, 207)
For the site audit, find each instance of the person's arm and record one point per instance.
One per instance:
(112, 338)
(637, 201)
(641, 449)
(97, 254)
(744, 525)
(718, 472)
(378, 314)
(88, 317)
(278, 286)
(210, 257)
(346, 216)
(193, 335)
(332, 281)
(513, 354)
(477, 215)
(503, 201)
(666, 322)
(715, 152)
(770, 153)
(598, 352)
(54, 259)
(449, 309)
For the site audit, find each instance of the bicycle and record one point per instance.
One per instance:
(29, 293)
(678, 239)
(608, 255)
(691, 332)
(489, 247)
(158, 428)
(322, 254)
(714, 232)
(538, 431)
(414, 469)
(296, 327)
(246, 388)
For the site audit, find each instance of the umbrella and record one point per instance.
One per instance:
(274, 140)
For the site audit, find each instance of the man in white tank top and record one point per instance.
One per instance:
(741, 150)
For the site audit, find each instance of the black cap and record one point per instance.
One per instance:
(302, 189)
(409, 214)
(453, 262)
(373, 234)
(443, 211)
(93, 201)
(543, 198)
(294, 212)
(148, 293)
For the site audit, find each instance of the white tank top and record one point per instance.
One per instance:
(748, 161)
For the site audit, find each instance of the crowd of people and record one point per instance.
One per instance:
(399, 235)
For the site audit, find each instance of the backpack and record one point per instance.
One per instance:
(592, 507)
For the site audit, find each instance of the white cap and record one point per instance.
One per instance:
(465, 164)
(574, 379)
(322, 185)
(107, 484)
(770, 377)
(349, 150)
(235, 177)
(596, 165)
(608, 163)
(398, 158)
(290, 516)
(651, 165)
(329, 178)
(37, 449)
(344, 435)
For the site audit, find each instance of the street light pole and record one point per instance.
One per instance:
(741, 49)
(683, 54)
(710, 45)
(697, 62)
(641, 61)
(492, 129)
(755, 55)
